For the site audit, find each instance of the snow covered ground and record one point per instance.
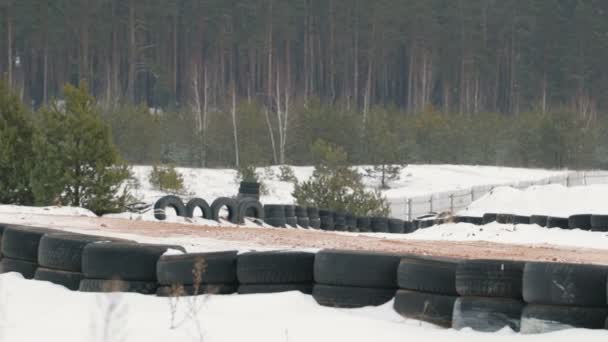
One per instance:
(415, 180)
(33, 311)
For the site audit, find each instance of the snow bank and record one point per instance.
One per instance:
(552, 200)
(35, 311)
(57, 211)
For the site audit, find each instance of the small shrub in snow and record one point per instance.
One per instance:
(286, 174)
(166, 178)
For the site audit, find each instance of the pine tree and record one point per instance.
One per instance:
(336, 186)
(76, 161)
(16, 150)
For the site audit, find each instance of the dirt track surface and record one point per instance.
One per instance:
(299, 238)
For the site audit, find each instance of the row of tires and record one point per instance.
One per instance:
(282, 216)
(485, 295)
(590, 222)
(235, 209)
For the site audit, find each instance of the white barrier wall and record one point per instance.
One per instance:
(409, 208)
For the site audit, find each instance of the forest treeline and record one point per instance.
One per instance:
(257, 81)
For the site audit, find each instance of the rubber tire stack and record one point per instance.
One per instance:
(274, 215)
(427, 289)
(302, 216)
(491, 293)
(249, 190)
(379, 225)
(60, 258)
(340, 221)
(353, 279)
(396, 226)
(364, 224)
(290, 215)
(326, 219)
(314, 219)
(20, 249)
(351, 222)
(599, 223)
(563, 296)
(198, 273)
(121, 267)
(277, 271)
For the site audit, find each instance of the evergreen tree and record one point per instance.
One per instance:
(336, 186)
(16, 150)
(76, 161)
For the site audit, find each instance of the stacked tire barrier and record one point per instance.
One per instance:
(290, 216)
(121, 267)
(561, 296)
(302, 216)
(427, 289)
(590, 222)
(249, 190)
(278, 271)
(314, 219)
(349, 279)
(485, 295)
(198, 273)
(491, 295)
(60, 258)
(275, 215)
(20, 249)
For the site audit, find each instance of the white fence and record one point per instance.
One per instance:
(409, 208)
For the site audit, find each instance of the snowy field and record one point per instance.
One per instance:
(414, 180)
(32, 311)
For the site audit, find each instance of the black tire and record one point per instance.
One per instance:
(303, 222)
(489, 217)
(26, 268)
(206, 268)
(70, 280)
(540, 220)
(250, 207)
(327, 222)
(312, 212)
(505, 218)
(106, 286)
(301, 211)
(539, 319)
(478, 221)
(290, 210)
(432, 275)
(351, 222)
(487, 314)
(340, 221)
(396, 226)
(190, 290)
(274, 211)
(581, 221)
(278, 267)
(565, 284)
(124, 261)
(64, 251)
(292, 221)
(427, 307)
(274, 288)
(169, 201)
(364, 224)
(557, 222)
(409, 227)
(20, 242)
(201, 204)
(599, 223)
(521, 219)
(251, 188)
(230, 204)
(490, 278)
(315, 223)
(379, 225)
(423, 224)
(278, 222)
(351, 297)
(356, 268)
